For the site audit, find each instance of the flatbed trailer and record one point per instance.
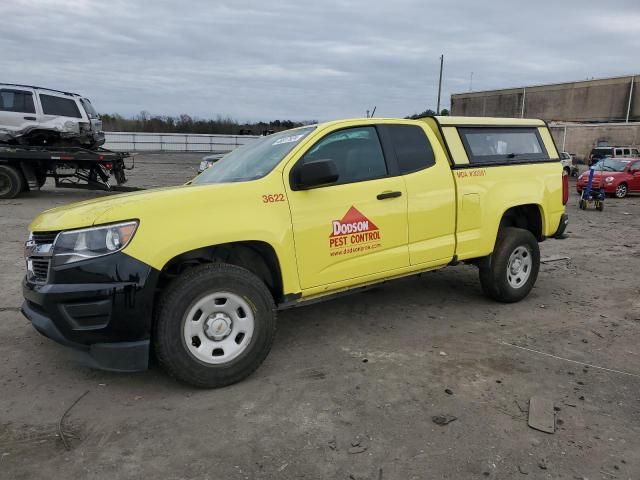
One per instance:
(24, 169)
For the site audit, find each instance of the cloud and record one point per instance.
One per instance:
(306, 60)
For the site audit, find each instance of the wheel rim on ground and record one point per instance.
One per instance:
(218, 328)
(519, 267)
(621, 190)
(5, 184)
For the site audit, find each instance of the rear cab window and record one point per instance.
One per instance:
(18, 101)
(412, 148)
(503, 146)
(59, 106)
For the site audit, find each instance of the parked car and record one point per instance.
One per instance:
(37, 116)
(618, 176)
(611, 152)
(567, 164)
(197, 271)
(209, 161)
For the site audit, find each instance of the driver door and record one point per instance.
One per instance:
(357, 226)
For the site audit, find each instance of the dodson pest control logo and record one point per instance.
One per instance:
(354, 233)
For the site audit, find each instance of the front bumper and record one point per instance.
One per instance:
(99, 307)
(607, 187)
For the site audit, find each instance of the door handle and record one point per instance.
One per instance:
(30, 118)
(385, 195)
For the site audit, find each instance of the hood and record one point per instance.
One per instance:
(113, 208)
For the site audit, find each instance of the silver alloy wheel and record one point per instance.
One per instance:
(621, 190)
(218, 327)
(519, 267)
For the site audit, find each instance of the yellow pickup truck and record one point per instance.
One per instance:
(196, 273)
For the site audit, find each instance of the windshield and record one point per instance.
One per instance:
(91, 112)
(254, 160)
(611, 165)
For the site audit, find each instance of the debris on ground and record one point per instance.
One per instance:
(448, 391)
(554, 258)
(542, 414)
(357, 449)
(443, 419)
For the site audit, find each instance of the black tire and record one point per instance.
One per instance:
(494, 268)
(582, 205)
(11, 181)
(178, 299)
(600, 206)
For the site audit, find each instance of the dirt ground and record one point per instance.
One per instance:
(351, 385)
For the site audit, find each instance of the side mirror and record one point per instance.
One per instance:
(315, 174)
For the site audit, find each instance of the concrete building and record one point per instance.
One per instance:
(602, 100)
(582, 114)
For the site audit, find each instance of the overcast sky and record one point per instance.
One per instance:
(301, 60)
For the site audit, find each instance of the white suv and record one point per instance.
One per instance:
(44, 117)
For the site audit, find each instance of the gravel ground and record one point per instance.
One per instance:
(351, 386)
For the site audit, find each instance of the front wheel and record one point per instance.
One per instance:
(509, 273)
(215, 326)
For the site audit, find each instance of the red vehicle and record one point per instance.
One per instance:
(618, 176)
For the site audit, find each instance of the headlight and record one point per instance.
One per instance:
(76, 245)
(608, 179)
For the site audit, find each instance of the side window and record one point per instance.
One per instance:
(634, 152)
(16, 101)
(503, 145)
(626, 151)
(412, 147)
(356, 152)
(618, 152)
(62, 107)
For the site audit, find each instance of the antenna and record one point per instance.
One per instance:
(374, 110)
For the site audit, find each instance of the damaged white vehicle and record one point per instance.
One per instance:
(37, 116)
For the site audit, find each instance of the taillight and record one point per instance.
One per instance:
(565, 188)
(108, 166)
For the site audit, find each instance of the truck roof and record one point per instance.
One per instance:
(488, 121)
(456, 121)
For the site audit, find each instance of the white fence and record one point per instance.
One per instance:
(173, 142)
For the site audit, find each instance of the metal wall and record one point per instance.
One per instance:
(173, 142)
(603, 100)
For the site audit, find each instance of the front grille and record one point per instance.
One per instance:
(40, 255)
(40, 266)
(44, 238)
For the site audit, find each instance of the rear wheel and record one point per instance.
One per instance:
(621, 190)
(11, 181)
(509, 273)
(215, 326)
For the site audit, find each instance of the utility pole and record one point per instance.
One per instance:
(471, 82)
(440, 84)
